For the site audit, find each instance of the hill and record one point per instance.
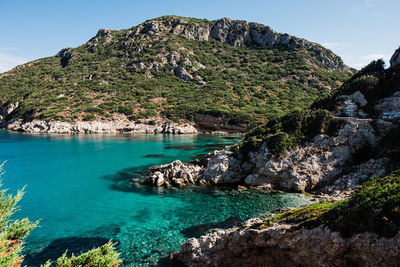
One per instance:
(223, 74)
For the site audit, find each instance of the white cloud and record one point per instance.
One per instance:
(337, 45)
(373, 56)
(8, 62)
(369, 3)
(362, 61)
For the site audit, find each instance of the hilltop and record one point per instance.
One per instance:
(214, 75)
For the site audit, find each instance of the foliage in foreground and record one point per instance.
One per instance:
(13, 232)
(373, 207)
(99, 257)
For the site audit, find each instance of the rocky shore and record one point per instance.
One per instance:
(324, 163)
(281, 245)
(89, 127)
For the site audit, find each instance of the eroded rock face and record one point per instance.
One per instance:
(281, 246)
(307, 166)
(222, 168)
(395, 59)
(234, 32)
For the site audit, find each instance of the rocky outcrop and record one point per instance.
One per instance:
(351, 105)
(282, 245)
(86, 127)
(313, 164)
(304, 168)
(317, 165)
(395, 59)
(182, 73)
(176, 174)
(222, 168)
(65, 56)
(7, 108)
(234, 32)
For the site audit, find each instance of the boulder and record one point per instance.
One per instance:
(182, 73)
(65, 56)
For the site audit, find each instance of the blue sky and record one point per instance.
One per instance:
(357, 30)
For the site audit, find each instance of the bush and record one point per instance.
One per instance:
(289, 130)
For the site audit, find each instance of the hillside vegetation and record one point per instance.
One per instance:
(299, 126)
(175, 68)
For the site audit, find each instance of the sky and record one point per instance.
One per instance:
(359, 31)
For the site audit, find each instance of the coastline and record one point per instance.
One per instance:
(106, 127)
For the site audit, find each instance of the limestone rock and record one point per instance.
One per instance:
(175, 173)
(182, 73)
(90, 127)
(390, 107)
(222, 168)
(282, 246)
(351, 105)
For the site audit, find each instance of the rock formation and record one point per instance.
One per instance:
(282, 246)
(87, 127)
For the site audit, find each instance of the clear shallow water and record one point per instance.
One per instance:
(80, 188)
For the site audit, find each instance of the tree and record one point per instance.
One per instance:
(13, 232)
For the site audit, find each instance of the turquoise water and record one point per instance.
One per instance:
(81, 189)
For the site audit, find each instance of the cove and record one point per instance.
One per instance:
(80, 187)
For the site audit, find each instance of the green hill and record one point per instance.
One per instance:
(175, 69)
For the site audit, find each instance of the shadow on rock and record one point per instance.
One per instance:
(56, 248)
(201, 229)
